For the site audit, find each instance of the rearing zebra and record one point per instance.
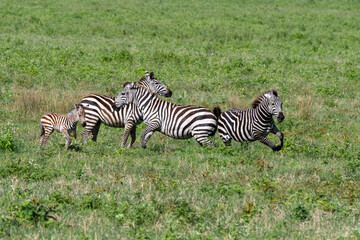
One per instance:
(173, 120)
(254, 123)
(98, 109)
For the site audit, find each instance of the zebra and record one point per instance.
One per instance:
(98, 109)
(176, 121)
(61, 123)
(254, 123)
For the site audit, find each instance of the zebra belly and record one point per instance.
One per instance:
(184, 135)
(115, 119)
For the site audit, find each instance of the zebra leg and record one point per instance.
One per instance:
(74, 132)
(86, 132)
(67, 138)
(129, 126)
(133, 136)
(226, 139)
(41, 141)
(95, 131)
(146, 134)
(277, 132)
(267, 142)
(202, 137)
(45, 137)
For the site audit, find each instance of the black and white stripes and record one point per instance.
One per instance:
(99, 110)
(61, 123)
(173, 120)
(252, 124)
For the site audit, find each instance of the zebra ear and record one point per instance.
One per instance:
(76, 106)
(126, 84)
(267, 95)
(152, 75)
(147, 76)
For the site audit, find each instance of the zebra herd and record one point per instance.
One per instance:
(139, 101)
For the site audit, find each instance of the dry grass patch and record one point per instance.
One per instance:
(32, 103)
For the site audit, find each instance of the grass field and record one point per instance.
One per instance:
(210, 53)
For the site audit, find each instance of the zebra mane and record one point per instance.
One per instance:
(147, 89)
(259, 99)
(71, 112)
(143, 78)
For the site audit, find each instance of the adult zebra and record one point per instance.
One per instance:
(254, 123)
(98, 109)
(176, 121)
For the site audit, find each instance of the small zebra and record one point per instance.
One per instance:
(254, 123)
(61, 123)
(98, 109)
(176, 121)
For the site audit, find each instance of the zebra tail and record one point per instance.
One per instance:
(217, 112)
(42, 129)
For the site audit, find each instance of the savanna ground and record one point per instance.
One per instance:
(210, 53)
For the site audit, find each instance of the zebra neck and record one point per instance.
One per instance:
(264, 112)
(146, 100)
(72, 116)
(72, 121)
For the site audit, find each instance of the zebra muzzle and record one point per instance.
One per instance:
(280, 117)
(168, 93)
(116, 108)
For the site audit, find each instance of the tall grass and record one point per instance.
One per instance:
(30, 103)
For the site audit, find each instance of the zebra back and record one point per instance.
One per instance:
(57, 121)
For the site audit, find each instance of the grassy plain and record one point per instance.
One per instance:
(210, 53)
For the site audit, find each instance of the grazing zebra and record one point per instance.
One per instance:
(254, 123)
(173, 120)
(61, 123)
(98, 109)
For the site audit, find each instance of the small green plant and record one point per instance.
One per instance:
(30, 210)
(7, 140)
(28, 170)
(249, 210)
(183, 211)
(225, 189)
(91, 202)
(300, 212)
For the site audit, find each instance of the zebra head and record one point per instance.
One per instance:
(79, 114)
(126, 95)
(155, 85)
(274, 104)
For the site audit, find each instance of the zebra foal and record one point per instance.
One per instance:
(176, 121)
(254, 123)
(98, 109)
(61, 123)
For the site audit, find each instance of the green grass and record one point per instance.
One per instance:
(209, 53)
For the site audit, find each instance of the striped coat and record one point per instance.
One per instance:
(61, 123)
(173, 120)
(98, 109)
(254, 123)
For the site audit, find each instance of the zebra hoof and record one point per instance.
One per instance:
(277, 148)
